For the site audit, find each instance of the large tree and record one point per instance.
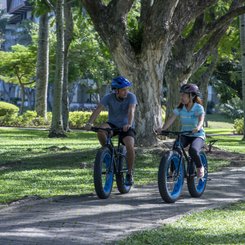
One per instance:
(143, 58)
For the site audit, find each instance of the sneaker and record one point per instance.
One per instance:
(129, 180)
(200, 172)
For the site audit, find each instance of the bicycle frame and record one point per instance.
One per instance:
(114, 150)
(110, 161)
(180, 149)
(173, 170)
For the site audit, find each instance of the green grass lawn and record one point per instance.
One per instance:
(218, 226)
(223, 126)
(33, 164)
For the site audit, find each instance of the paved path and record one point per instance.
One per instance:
(88, 220)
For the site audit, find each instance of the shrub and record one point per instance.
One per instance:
(239, 126)
(9, 120)
(7, 108)
(28, 119)
(77, 119)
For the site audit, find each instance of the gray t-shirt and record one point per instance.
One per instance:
(118, 110)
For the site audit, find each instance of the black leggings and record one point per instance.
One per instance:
(196, 145)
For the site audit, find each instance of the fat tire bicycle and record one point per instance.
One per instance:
(110, 161)
(176, 165)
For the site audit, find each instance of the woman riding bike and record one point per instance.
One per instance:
(191, 113)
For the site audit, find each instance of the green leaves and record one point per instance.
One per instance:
(18, 66)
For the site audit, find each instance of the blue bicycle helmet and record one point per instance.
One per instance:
(120, 82)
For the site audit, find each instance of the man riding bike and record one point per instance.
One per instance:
(121, 105)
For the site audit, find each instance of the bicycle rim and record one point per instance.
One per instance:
(201, 183)
(122, 169)
(195, 185)
(103, 173)
(170, 177)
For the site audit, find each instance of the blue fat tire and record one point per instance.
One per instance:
(168, 194)
(197, 186)
(103, 173)
(122, 171)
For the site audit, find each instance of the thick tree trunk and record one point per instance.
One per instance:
(242, 41)
(149, 112)
(146, 75)
(173, 97)
(42, 67)
(57, 122)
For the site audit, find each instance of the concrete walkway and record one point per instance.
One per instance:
(88, 220)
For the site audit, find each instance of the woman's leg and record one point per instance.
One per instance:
(195, 149)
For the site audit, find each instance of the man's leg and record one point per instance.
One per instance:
(102, 135)
(129, 143)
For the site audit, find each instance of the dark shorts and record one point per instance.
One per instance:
(131, 132)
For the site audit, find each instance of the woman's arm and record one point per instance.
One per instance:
(200, 123)
(169, 122)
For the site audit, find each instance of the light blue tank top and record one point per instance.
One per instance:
(189, 119)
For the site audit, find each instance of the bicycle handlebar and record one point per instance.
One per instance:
(163, 132)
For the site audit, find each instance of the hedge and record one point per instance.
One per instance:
(7, 108)
(77, 119)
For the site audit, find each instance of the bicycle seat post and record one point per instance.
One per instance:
(108, 138)
(177, 143)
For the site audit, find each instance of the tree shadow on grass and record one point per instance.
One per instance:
(52, 160)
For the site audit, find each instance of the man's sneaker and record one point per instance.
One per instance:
(129, 180)
(200, 172)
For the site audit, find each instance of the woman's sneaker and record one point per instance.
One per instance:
(200, 172)
(129, 180)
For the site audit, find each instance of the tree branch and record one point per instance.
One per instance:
(222, 21)
(119, 8)
(145, 7)
(49, 4)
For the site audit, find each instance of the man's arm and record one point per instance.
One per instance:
(131, 112)
(93, 117)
